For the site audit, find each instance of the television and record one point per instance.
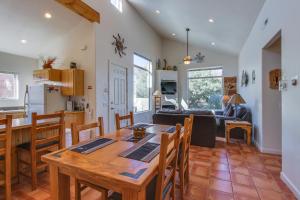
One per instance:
(168, 87)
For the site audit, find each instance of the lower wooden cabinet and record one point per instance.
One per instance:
(74, 117)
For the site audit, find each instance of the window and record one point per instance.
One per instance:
(9, 86)
(117, 4)
(142, 83)
(205, 88)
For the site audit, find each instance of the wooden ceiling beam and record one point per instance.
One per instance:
(82, 9)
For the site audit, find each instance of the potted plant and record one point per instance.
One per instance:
(47, 63)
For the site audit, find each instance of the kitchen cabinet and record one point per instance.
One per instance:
(47, 74)
(74, 117)
(73, 82)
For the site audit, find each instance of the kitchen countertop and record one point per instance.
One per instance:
(11, 111)
(24, 123)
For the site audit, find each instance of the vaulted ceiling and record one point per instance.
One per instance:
(233, 20)
(24, 20)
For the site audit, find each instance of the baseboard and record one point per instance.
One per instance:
(290, 185)
(222, 139)
(267, 150)
(271, 151)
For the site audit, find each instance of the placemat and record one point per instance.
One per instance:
(93, 145)
(169, 130)
(144, 152)
(141, 125)
(131, 138)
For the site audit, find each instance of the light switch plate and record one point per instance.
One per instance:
(295, 80)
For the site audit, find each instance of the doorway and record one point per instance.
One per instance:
(117, 92)
(271, 96)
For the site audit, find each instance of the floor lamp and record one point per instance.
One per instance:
(157, 100)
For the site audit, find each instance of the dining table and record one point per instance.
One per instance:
(106, 167)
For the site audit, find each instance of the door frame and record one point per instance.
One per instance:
(110, 63)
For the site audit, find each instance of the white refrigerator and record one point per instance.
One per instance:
(45, 99)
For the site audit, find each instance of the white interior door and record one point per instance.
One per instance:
(117, 93)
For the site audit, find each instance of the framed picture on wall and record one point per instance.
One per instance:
(230, 85)
(253, 76)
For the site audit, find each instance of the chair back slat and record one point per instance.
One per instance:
(47, 140)
(119, 119)
(2, 137)
(167, 161)
(49, 116)
(76, 129)
(48, 128)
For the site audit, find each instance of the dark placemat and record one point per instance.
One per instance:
(92, 145)
(131, 138)
(142, 152)
(171, 129)
(141, 125)
(136, 175)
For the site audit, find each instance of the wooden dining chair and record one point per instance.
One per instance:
(162, 185)
(5, 154)
(168, 159)
(77, 129)
(80, 185)
(47, 135)
(184, 164)
(119, 119)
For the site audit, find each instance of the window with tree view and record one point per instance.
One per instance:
(9, 86)
(142, 77)
(205, 88)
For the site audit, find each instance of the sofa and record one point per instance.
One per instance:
(204, 128)
(243, 114)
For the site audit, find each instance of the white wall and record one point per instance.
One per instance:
(139, 38)
(69, 48)
(24, 67)
(271, 104)
(174, 52)
(283, 15)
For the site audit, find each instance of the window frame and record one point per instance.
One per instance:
(118, 7)
(149, 71)
(204, 77)
(17, 90)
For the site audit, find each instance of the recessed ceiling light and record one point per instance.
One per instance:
(48, 15)
(157, 12)
(213, 44)
(211, 20)
(23, 41)
(173, 34)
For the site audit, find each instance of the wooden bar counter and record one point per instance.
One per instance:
(21, 133)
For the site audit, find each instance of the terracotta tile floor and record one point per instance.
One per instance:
(235, 171)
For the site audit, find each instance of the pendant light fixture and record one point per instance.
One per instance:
(187, 59)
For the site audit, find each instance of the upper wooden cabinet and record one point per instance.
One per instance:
(47, 74)
(73, 82)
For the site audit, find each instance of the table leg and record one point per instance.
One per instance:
(134, 195)
(227, 135)
(59, 183)
(249, 136)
